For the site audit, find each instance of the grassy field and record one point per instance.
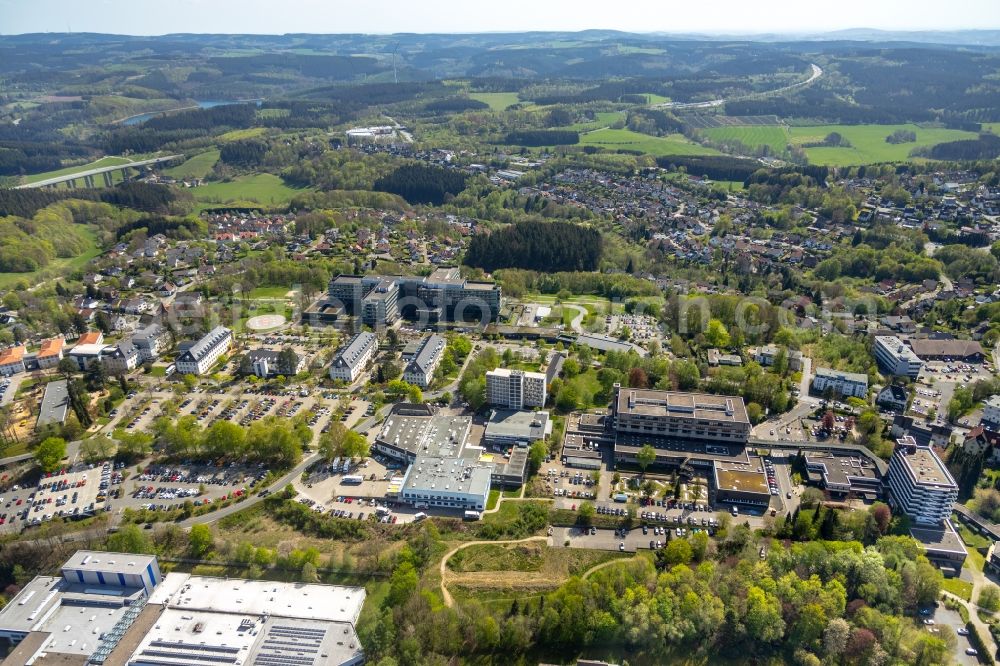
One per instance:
(237, 135)
(498, 101)
(674, 144)
(868, 144)
(499, 557)
(103, 162)
(958, 587)
(752, 135)
(263, 188)
(56, 267)
(197, 167)
(603, 119)
(261, 293)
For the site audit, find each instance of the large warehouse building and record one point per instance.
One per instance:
(114, 609)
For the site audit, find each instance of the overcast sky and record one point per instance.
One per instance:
(155, 17)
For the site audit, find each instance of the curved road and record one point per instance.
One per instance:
(447, 556)
(577, 322)
(817, 72)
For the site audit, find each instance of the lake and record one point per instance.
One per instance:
(202, 104)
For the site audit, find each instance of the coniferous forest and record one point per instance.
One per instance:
(540, 246)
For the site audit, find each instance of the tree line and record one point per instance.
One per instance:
(140, 196)
(539, 137)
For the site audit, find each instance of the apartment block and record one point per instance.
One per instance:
(515, 389)
(895, 358)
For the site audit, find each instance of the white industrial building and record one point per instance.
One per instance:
(920, 484)
(202, 355)
(115, 609)
(846, 384)
(895, 358)
(515, 389)
(447, 482)
(353, 357)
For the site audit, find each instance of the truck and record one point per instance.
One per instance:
(472, 515)
(620, 497)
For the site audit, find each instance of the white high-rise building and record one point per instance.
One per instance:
(921, 485)
(515, 389)
(895, 358)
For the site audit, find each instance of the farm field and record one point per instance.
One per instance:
(103, 162)
(868, 144)
(196, 167)
(264, 188)
(498, 101)
(674, 144)
(773, 136)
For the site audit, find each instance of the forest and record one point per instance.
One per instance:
(536, 138)
(422, 184)
(541, 246)
(183, 125)
(808, 603)
(140, 196)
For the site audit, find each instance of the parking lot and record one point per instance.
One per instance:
(167, 488)
(67, 494)
(347, 489)
(934, 618)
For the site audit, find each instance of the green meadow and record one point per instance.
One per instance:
(673, 144)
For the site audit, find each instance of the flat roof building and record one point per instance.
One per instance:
(411, 432)
(680, 416)
(515, 389)
(457, 483)
(442, 295)
(842, 475)
(516, 428)
(86, 355)
(895, 358)
(942, 545)
(920, 484)
(55, 404)
(838, 382)
(115, 609)
(741, 482)
(90, 605)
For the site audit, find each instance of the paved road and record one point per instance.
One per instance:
(817, 72)
(581, 312)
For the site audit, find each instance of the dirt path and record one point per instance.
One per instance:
(444, 560)
(597, 567)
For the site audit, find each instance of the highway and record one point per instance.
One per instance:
(817, 72)
(89, 173)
